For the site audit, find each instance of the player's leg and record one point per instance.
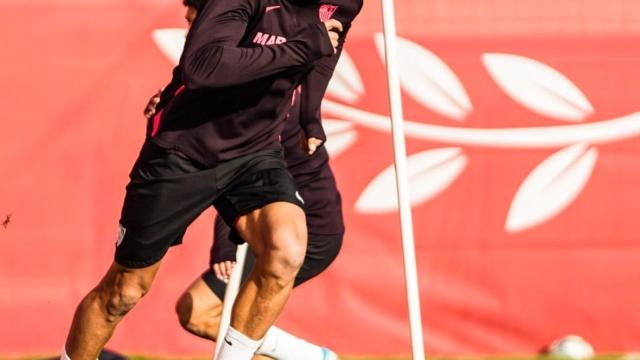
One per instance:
(323, 209)
(266, 211)
(199, 308)
(248, 225)
(165, 194)
(277, 234)
(100, 311)
(282, 345)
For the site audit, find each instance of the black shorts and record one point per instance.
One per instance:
(323, 210)
(321, 251)
(167, 191)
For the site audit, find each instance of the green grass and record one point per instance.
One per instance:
(599, 357)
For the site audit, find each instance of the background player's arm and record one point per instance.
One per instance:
(314, 87)
(212, 58)
(223, 269)
(150, 109)
(223, 252)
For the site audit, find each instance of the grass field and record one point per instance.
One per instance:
(599, 357)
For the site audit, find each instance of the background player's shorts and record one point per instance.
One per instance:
(323, 210)
(320, 254)
(167, 191)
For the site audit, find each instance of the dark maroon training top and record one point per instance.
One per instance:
(232, 90)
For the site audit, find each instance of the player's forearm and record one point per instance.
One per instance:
(216, 66)
(313, 89)
(169, 90)
(223, 249)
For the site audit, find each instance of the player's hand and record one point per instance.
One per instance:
(311, 144)
(334, 28)
(223, 270)
(150, 109)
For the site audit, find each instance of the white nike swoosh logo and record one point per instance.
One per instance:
(269, 8)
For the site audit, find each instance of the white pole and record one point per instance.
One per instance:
(400, 155)
(230, 295)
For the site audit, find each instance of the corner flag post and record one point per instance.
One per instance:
(233, 286)
(400, 157)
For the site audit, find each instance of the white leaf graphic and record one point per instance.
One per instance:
(171, 42)
(340, 135)
(430, 172)
(551, 187)
(428, 80)
(538, 87)
(346, 83)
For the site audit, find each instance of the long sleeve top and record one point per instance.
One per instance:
(241, 63)
(303, 120)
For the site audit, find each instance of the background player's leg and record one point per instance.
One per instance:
(200, 307)
(281, 345)
(100, 311)
(199, 310)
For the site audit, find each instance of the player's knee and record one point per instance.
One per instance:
(197, 321)
(184, 308)
(121, 300)
(285, 258)
(189, 320)
(290, 250)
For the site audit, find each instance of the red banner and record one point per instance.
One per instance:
(523, 167)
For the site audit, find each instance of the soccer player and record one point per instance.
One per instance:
(216, 142)
(199, 308)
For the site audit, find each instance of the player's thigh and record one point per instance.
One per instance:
(264, 208)
(278, 226)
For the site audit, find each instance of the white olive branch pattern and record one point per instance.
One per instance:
(549, 188)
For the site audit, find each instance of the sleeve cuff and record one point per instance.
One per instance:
(316, 131)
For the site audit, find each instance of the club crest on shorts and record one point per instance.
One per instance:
(121, 231)
(326, 11)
